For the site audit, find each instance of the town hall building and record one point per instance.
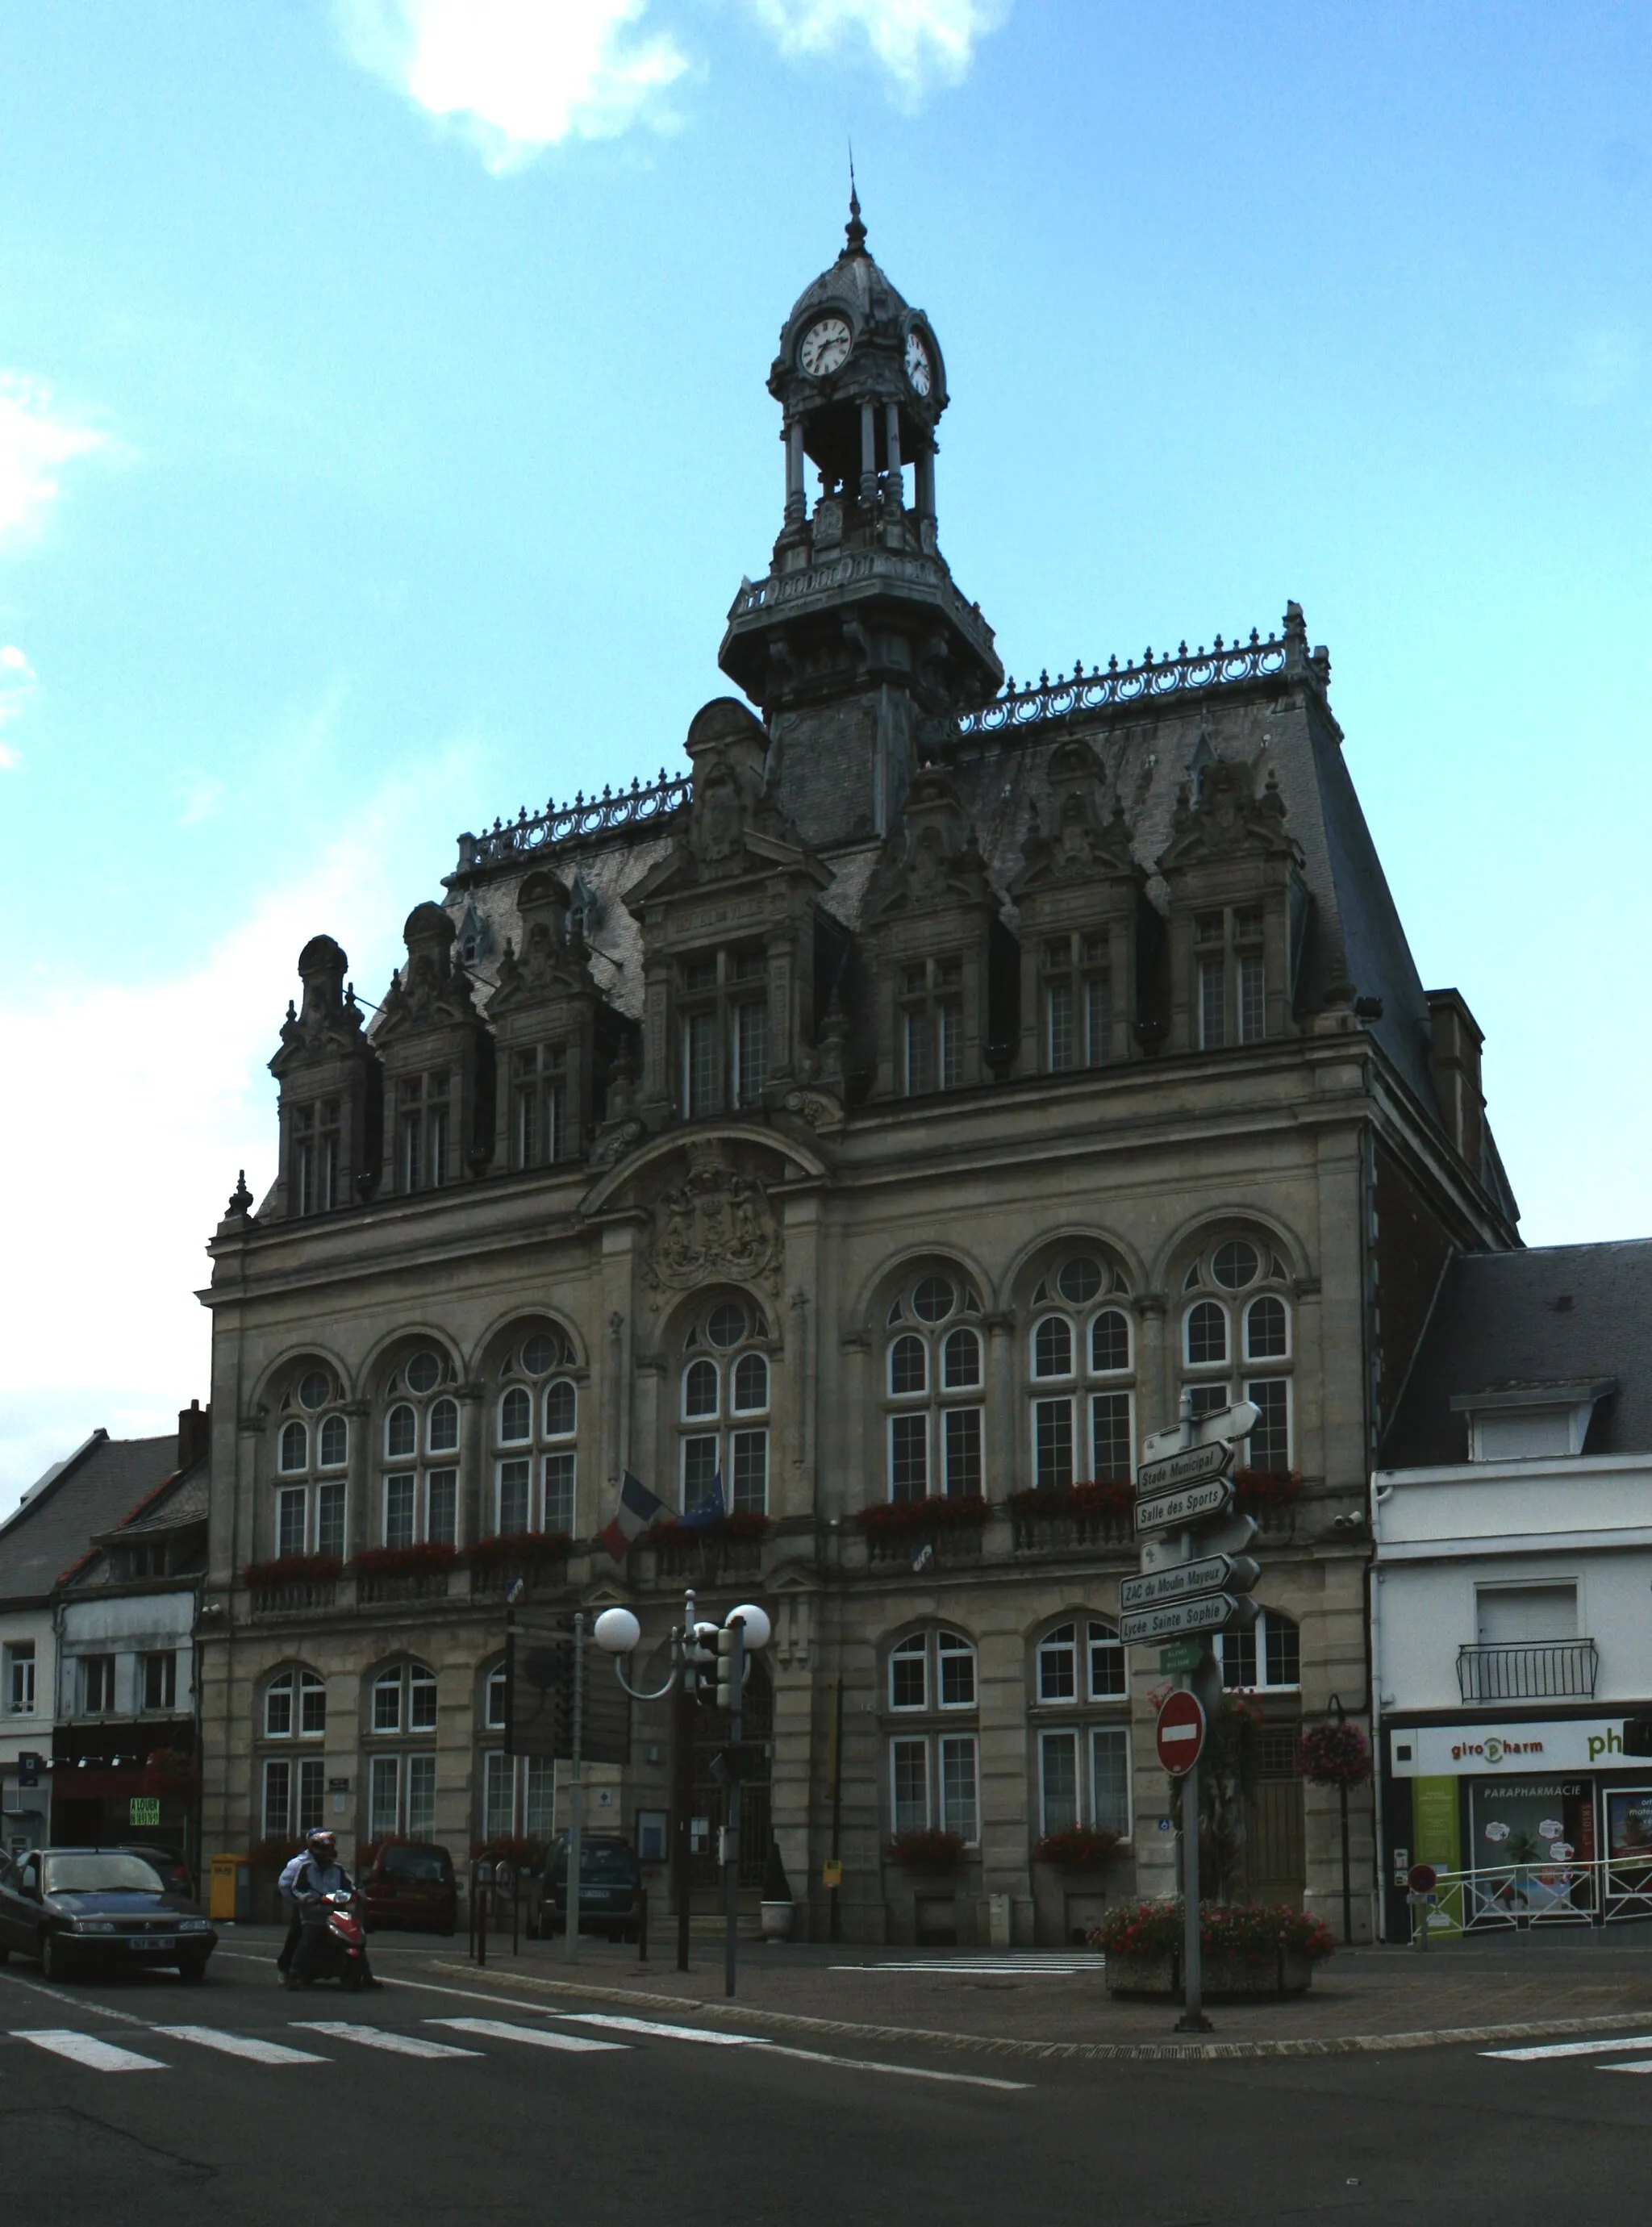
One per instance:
(884, 1124)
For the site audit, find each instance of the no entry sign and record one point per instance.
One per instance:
(1181, 1733)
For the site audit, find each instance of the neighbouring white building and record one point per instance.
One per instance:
(1511, 1613)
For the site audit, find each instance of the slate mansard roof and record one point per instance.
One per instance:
(1153, 726)
(52, 1532)
(1556, 1315)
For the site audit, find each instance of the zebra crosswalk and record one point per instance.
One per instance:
(335, 2038)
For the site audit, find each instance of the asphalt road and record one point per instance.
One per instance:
(128, 2101)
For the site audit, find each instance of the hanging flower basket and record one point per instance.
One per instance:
(920, 1519)
(930, 1851)
(1082, 1848)
(1334, 1755)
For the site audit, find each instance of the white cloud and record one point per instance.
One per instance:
(202, 796)
(35, 441)
(102, 1326)
(919, 43)
(518, 75)
(17, 684)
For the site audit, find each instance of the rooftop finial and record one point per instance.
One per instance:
(855, 230)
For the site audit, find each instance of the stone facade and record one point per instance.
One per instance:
(906, 1114)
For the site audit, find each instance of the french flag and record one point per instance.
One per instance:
(637, 1510)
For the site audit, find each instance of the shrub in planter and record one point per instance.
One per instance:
(933, 1850)
(1081, 1849)
(292, 1570)
(906, 1518)
(1334, 1755)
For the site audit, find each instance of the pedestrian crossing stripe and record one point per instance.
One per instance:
(1549, 2049)
(377, 2037)
(241, 2045)
(85, 2049)
(539, 2037)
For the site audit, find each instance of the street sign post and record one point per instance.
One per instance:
(1206, 1612)
(1195, 1578)
(1188, 1504)
(1234, 1574)
(1180, 1733)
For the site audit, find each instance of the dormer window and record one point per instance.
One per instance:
(1531, 1422)
(724, 1031)
(314, 1164)
(932, 1025)
(1078, 1002)
(1232, 979)
(421, 1132)
(539, 1104)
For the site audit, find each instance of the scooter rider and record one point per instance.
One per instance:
(288, 1891)
(319, 1873)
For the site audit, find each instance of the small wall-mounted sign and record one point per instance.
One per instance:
(338, 1786)
(145, 1810)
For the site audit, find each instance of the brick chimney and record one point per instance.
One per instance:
(194, 1433)
(1457, 1075)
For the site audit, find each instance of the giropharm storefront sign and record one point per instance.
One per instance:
(1464, 1751)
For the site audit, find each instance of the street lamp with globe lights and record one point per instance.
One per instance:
(694, 1647)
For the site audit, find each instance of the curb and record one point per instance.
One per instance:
(1090, 2052)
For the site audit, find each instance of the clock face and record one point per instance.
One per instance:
(825, 345)
(917, 364)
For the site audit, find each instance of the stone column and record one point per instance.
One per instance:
(795, 510)
(474, 1498)
(1002, 1431)
(869, 452)
(923, 483)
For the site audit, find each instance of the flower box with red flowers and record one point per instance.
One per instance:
(1244, 1949)
(1081, 1849)
(292, 1570)
(738, 1523)
(921, 1519)
(423, 1559)
(1334, 1755)
(931, 1850)
(522, 1552)
(1266, 1492)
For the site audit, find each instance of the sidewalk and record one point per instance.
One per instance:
(1367, 1999)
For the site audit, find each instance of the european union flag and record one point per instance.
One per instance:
(705, 1513)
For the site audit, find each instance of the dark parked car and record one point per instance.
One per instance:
(610, 1887)
(176, 1874)
(70, 1907)
(412, 1885)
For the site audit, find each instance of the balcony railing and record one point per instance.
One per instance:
(1533, 1670)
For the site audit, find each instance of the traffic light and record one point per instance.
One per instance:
(725, 1668)
(699, 1656)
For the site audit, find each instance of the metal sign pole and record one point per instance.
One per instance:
(1193, 2020)
(577, 1789)
(731, 1851)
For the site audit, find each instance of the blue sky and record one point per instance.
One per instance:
(383, 435)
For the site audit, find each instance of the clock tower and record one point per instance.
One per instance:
(857, 646)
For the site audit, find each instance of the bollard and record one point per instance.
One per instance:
(642, 1925)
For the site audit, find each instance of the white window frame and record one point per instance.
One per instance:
(21, 1678)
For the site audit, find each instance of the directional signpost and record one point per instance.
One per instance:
(1195, 1579)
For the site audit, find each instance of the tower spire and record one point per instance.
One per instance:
(854, 230)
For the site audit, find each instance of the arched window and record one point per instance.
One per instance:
(1268, 1655)
(419, 1484)
(1236, 1342)
(722, 1413)
(934, 1768)
(1081, 1361)
(536, 1417)
(294, 1710)
(1083, 1763)
(401, 1780)
(313, 1440)
(933, 1379)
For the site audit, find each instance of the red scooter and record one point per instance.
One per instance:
(334, 1943)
